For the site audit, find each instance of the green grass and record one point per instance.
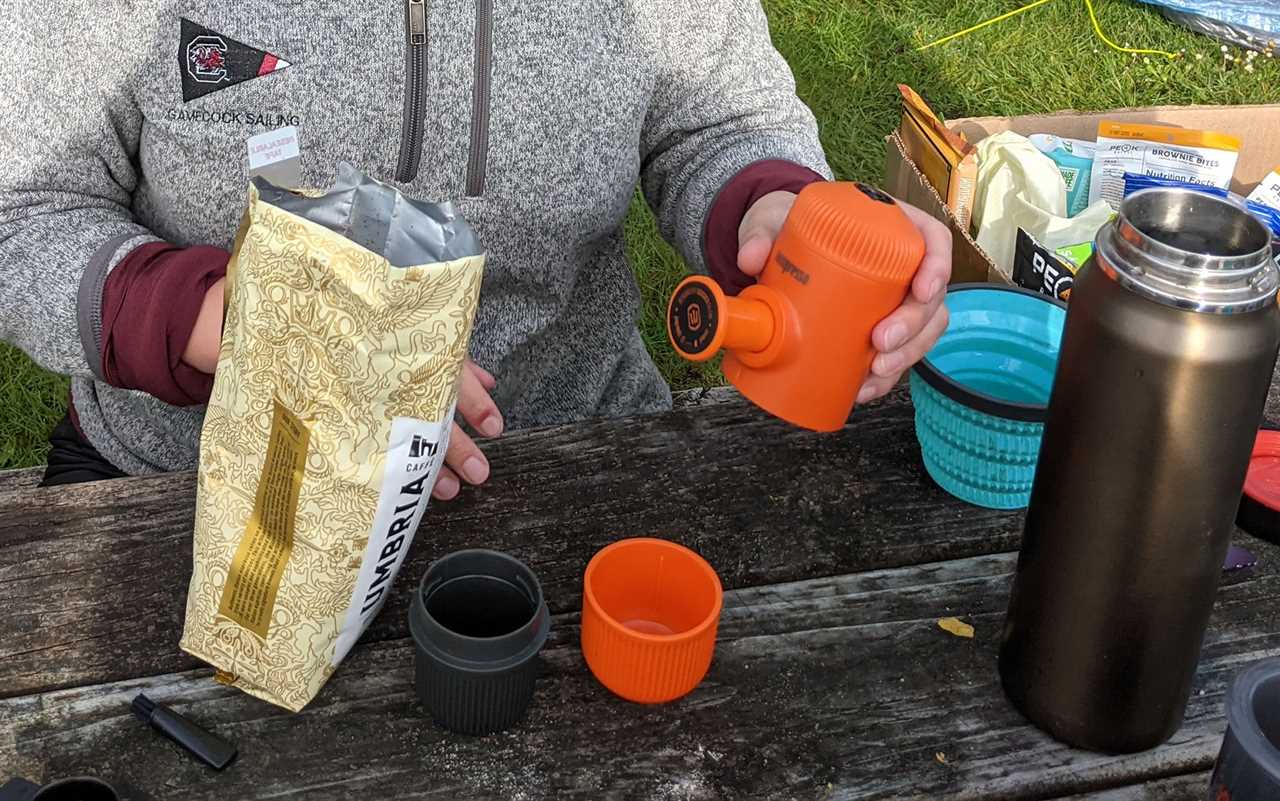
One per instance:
(848, 56)
(31, 402)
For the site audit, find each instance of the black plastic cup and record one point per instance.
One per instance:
(478, 621)
(1248, 767)
(81, 789)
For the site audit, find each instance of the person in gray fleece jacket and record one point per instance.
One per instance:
(124, 165)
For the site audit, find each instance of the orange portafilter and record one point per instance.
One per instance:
(798, 342)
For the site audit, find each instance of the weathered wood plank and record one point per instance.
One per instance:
(704, 396)
(20, 479)
(1272, 409)
(838, 688)
(95, 577)
(1192, 787)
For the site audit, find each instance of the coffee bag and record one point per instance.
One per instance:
(347, 324)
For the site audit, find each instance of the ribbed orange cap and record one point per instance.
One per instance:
(859, 228)
(650, 611)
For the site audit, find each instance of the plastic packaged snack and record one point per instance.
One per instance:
(348, 319)
(1199, 157)
(947, 160)
(1042, 269)
(1268, 192)
(1268, 215)
(1075, 255)
(1074, 158)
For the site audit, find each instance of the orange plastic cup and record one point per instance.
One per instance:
(650, 611)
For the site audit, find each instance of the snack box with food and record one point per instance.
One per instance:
(1256, 127)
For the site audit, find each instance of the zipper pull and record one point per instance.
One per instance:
(417, 22)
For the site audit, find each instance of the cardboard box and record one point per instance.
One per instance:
(1257, 126)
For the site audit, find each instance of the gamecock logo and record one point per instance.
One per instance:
(207, 59)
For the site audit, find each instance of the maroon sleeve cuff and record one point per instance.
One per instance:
(720, 239)
(149, 307)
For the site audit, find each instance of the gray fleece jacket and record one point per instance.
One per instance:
(119, 126)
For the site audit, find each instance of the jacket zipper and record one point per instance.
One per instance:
(478, 157)
(415, 91)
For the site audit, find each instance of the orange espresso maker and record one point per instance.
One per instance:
(798, 342)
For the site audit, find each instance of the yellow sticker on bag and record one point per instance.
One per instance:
(259, 562)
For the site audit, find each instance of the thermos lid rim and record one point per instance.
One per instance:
(1162, 246)
(975, 399)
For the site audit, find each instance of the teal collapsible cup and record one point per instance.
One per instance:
(982, 392)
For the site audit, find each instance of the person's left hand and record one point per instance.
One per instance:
(906, 335)
(463, 459)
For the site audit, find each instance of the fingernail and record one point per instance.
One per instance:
(446, 487)
(865, 394)
(475, 470)
(895, 336)
(491, 426)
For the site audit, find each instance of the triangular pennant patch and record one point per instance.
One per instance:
(210, 61)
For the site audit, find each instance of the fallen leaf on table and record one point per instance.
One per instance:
(956, 626)
(941, 757)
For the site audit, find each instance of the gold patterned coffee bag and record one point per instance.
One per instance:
(347, 324)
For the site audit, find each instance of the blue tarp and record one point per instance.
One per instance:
(1247, 23)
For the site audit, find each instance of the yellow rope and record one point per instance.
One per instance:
(982, 25)
(1093, 18)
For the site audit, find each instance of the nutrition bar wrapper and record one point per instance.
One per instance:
(348, 318)
(1268, 192)
(1269, 216)
(1199, 157)
(1039, 269)
(947, 161)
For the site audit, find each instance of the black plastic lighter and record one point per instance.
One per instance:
(208, 747)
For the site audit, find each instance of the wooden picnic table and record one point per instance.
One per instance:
(831, 680)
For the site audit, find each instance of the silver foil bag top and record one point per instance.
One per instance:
(379, 218)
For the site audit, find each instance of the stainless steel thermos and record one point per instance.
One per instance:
(1171, 339)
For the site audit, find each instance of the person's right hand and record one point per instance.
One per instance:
(464, 457)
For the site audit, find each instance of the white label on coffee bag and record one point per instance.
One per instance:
(414, 457)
